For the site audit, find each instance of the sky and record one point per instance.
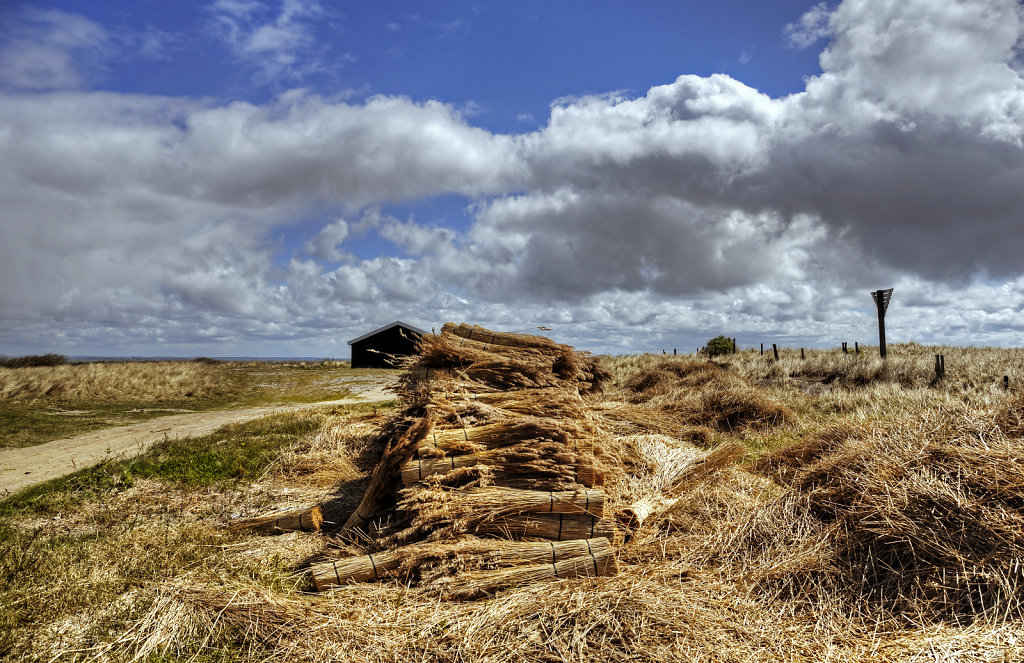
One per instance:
(276, 177)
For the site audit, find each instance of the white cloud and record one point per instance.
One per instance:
(276, 42)
(50, 49)
(326, 244)
(698, 208)
(812, 27)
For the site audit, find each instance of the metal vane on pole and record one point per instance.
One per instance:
(881, 298)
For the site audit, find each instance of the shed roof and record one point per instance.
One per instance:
(396, 323)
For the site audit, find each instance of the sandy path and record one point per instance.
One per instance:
(23, 467)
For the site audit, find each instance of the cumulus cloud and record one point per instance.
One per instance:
(700, 207)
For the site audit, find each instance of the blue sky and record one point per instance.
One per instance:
(250, 177)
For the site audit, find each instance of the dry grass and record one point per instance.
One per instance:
(870, 522)
(109, 382)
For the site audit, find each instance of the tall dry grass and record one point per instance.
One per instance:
(879, 521)
(114, 381)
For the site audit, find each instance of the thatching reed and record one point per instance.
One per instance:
(549, 402)
(485, 337)
(439, 443)
(534, 464)
(305, 519)
(484, 583)
(924, 517)
(430, 561)
(675, 469)
(499, 367)
(404, 433)
(434, 512)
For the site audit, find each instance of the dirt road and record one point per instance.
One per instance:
(23, 467)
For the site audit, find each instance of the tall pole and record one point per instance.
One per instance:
(881, 298)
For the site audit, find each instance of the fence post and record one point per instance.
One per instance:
(762, 349)
(734, 346)
(856, 347)
(673, 352)
(775, 351)
(881, 298)
(1006, 383)
(802, 353)
(845, 351)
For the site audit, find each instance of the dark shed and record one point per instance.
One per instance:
(376, 349)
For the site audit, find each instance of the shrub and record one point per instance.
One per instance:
(33, 360)
(719, 345)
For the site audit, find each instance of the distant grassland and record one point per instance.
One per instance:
(42, 403)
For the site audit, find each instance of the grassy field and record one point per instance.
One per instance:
(39, 404)
(876, 516)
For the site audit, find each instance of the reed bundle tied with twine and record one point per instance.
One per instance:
(434, 512)
(534, 464)
(493, 366)
(304, 519)
(431, 561)
(439, 443)
(551, 402)
(476, 585)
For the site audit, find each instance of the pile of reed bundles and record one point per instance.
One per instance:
(491, 472)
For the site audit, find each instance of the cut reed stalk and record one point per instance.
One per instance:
(476, 585)
(558, 527)
(387, 473)
(527, 466)
(401, 563)
(486, 337)
(306, 519)
(497, 435)
(681, 480)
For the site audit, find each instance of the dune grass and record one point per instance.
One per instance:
(872, 519)
(43, 403)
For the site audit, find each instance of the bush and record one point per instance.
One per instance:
(33, 360)
(719, 345)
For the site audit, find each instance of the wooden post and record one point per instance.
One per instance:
(775, 351)
(762, 349)
(802, 354)
(856, 347)
(844, 348)
(881, 298)
(734, 346)
(940, 367)
(673, 352)
(1006, 382)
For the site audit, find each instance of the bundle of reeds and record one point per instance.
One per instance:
(404, 433)
(471, 586)
(450, 357)
(535, 464)
(484, 337)
(431, 561)
(551, 402)
(439, 443)
(436, 512)
(304, 519)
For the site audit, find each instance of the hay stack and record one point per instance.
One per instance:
(516, 464)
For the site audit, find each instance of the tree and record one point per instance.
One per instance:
(719, 345)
